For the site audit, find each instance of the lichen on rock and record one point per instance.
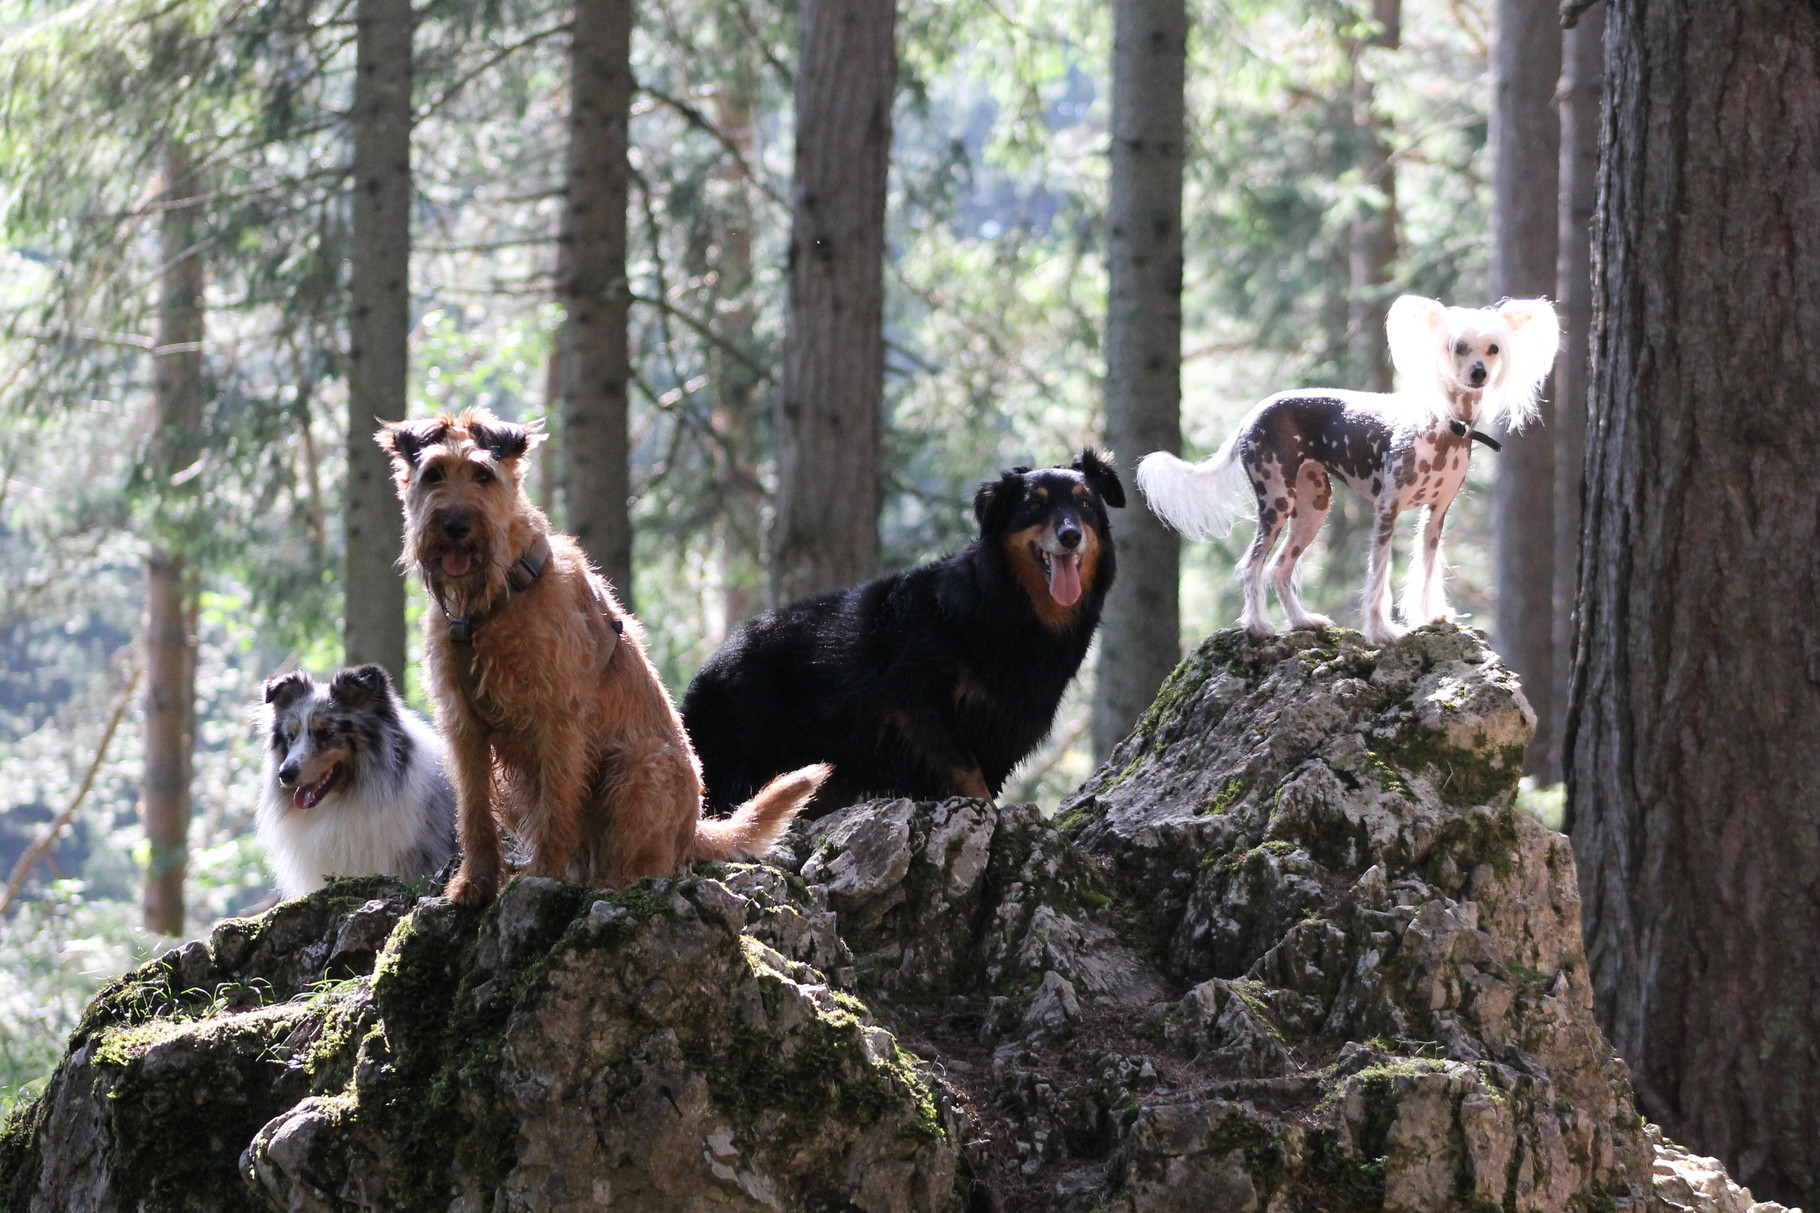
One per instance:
(1291, 949)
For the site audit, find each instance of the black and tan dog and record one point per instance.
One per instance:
(933, 682)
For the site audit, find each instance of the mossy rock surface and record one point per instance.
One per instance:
(1291, 949)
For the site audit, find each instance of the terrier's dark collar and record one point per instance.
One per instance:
(521, 576)
(1460, 430)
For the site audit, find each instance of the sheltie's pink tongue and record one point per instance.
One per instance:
(309, 797)
(1065, 579)
(456, 562)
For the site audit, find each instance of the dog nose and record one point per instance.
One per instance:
(456, 526)
(287, 774)
(1478, 374)
(1068, 535)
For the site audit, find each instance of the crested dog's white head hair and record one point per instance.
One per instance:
(1479, 366)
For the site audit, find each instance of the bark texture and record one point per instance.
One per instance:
(1696, 709)
(379, 326)
(1525, 143)
(598, 364)
(1582, 79)
(825, 534)
(178, 393)
(1140, 632)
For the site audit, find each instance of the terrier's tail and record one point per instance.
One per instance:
(1201, 500)
(756, 825)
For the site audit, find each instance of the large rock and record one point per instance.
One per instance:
(1291, 949)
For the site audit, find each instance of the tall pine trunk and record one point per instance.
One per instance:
(597, 364)
(1695, 721)
(379, 326)
(1525, 146)
(1582, 53)
(1140, 636)
(170, 613)
(829, 419)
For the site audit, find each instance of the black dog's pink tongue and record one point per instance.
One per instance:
(1065, 579)
(457, 561)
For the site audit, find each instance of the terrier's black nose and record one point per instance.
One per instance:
(287, 774)
(456, 526)
(1478, 374)
(1068, 535)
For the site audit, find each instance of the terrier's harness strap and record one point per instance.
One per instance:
(520, 576)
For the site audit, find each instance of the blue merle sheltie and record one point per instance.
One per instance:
(929, 683)
(355, 785)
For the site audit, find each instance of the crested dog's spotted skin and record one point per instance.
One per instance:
(355, 784)
(933, 682)
(1405, 450)
(541, 682)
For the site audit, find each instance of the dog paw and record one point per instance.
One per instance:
(1319, 623)
(1258, 628)
(472, 890)
(1383, 632)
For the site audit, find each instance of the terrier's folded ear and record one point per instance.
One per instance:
(504, 439)
(405, 440)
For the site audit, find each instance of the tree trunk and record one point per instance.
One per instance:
(598, 363)
(1140, 635)
(170, 612)
(825, 534)
(1525, 153)
(1695, 721)
(1582, 50)
(379, 326)
(1371, 264)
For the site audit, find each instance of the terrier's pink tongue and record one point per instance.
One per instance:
(457, 561)
(1065, 579)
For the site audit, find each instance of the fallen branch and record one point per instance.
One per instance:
(42, 845)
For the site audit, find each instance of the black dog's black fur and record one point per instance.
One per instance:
(929, 683)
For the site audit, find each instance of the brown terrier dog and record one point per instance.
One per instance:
(534, 667)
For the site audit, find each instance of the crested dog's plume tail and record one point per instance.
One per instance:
(1201, 500)
(756, 825)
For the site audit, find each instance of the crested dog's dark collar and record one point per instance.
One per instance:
(1460, 430)
(520, 576)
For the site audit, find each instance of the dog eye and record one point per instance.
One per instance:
(483, 476)
(1491, 349)
(432, 476)
(1461, 349)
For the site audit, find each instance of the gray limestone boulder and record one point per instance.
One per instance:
(1291, 949)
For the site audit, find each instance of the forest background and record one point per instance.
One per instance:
(1300, 114)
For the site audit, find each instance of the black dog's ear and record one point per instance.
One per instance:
(282, 690)
(405, 440)
(360, 685)
(504, 439)
(1101, 477)
(997, 500)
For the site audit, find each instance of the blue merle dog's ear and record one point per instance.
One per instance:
(359, 685)
(282, 690)
(1102, 478)
(504, 439)
(405, 440)
(997, 500)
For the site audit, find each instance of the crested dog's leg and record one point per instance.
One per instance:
(1378, 627)
(1308, 506)
(1272, 491)
(1415, 588)
(471, 755)
(1433, 605)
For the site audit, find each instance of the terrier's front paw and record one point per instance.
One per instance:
(472, 888)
